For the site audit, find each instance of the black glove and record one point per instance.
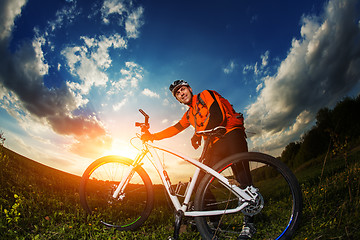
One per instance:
(196, 141)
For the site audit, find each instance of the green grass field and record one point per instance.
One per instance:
(38, 202)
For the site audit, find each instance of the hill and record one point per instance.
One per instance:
(35, 172)
(39, 202)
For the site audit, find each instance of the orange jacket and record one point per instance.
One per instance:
(203, 114)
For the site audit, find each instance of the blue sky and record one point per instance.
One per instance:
(74, 73)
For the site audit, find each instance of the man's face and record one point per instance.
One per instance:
(184, 95)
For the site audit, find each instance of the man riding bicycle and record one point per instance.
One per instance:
(207, 111)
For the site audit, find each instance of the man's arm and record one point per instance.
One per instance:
(169, 132)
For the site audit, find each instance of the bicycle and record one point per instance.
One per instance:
(120, 192)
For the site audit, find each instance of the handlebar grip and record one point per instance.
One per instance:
(143, 113)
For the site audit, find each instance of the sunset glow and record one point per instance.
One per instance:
(121, 149)
(73, 77)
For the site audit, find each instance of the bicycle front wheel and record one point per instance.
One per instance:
(131, 208)
(276, 212)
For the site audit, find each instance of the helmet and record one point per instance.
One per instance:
(176, 85)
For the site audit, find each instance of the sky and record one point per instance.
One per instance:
(73, 73)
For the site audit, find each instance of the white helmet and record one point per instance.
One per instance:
(176, 85)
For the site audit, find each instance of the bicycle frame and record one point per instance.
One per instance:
(212, 191)
(245, 195)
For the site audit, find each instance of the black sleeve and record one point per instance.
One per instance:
(216, 116)
(179, 127)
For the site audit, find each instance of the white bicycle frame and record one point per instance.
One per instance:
(245, 196)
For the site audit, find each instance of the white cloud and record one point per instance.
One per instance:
(117, 106)
(275, 142)
(83, 66)
(132, 75)
(230, 67)
(265, 59)
(149, 93)
(259, 87)
(42, 67)
(134, 22)
(76, 90)
(321, 67)
(166, 102)
(88, 62)
(99, 48)
(65, 15)
(247, 68)
(126, 15)
(256, 69)
(9, 10)
(34, 106)
(112, 7)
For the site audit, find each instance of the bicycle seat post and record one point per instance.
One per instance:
(205, 149)
(210, 135)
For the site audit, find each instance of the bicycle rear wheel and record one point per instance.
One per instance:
(277, 210)
(98, 184)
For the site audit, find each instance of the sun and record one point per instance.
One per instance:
(120, 148)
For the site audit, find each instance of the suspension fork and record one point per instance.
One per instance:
(129, 174)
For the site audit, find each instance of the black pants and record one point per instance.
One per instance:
(233, 142)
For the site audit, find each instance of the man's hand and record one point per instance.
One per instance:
(196, 141)
(147, 137)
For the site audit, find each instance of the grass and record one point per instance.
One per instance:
(38, 202)
(332, 205)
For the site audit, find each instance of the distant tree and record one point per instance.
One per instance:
(2, 139)
(343, 122)
(289, 153)
(324, 119)
(346, 118)
(314, 143)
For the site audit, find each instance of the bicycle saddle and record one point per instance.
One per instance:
(217, 132)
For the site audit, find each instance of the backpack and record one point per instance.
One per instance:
(233, 118)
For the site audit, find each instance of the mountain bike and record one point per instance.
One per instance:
(119, 192)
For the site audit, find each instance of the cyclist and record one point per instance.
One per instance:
(206, 111)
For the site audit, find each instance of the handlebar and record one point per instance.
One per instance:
(145, 115)
(144, 126)
(215, 132)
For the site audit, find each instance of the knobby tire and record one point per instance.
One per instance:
(279, 188)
